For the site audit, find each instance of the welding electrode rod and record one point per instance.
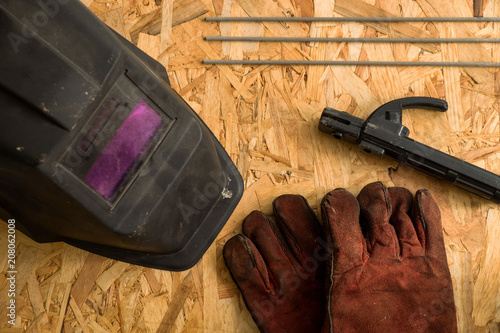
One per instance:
(350, 40)
(351, 63)
(353, 19)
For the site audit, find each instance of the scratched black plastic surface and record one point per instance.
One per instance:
(383, 134)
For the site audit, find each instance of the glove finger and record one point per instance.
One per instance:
(264, 234)
(402, 204)
(301, 230)
(247, 267)
(340, 213)
(428, 224)
(376, 210)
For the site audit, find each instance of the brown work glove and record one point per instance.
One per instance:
(279, 267)
(389, 271)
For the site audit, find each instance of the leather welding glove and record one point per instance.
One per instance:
(389, 271)
(279, 267)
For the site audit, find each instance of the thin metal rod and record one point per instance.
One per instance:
(350, 40)
(352, 19)
(351, 63)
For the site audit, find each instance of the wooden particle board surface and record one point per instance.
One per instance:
(266, 117)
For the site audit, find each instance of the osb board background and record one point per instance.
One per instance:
(266, 117)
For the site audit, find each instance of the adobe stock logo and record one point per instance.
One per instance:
(32, 24)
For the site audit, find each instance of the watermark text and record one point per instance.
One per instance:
(11, 271)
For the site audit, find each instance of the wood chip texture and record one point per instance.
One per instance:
(266, 117)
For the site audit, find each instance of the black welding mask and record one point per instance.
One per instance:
(96, 149)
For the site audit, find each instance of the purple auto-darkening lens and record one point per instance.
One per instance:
(125, 149)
